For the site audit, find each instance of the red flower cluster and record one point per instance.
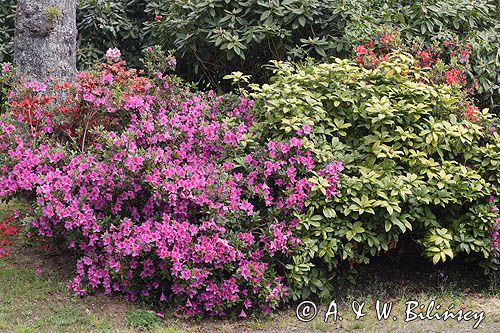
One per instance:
(7, 230)
(447, 61)
(454, 76)
(375, 50)
(471, 112)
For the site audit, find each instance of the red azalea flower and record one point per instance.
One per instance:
(454, 76)
(387, 38)
(361, 50)
(471, 112)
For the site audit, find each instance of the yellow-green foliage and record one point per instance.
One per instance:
(414, 166)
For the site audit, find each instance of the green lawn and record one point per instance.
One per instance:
(33, 298)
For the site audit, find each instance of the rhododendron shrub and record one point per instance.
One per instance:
(164, 194)
(420, 163)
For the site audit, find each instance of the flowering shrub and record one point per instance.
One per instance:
(163, 193)
(420, 162)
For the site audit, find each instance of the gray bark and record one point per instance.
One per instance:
(45, 38)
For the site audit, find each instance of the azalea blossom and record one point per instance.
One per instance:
(361, 50)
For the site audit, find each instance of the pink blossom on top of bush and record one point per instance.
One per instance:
(113, 54)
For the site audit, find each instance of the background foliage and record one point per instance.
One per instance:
(221, 36)
(212, 38)
(7, 13)
(118, 23)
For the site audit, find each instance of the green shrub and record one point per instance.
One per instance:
(216, 37)
(415, 167)
(104, 24)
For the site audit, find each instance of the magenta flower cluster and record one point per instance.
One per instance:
(173, 198)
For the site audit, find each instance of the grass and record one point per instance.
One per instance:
(34, 298)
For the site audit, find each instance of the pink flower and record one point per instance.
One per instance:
(113, 54)
(426, 56)
(5, 68)
(186, 274)
(464, 56)
(387, 38)
(38, 271)
(107, 78)
(36, 86)
(471, 112)
(248, 207)
(294, 142)
(454, 76)
(361, 50)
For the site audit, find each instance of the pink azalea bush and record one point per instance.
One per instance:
(163, 194)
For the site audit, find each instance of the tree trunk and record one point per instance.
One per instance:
(45, 38)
